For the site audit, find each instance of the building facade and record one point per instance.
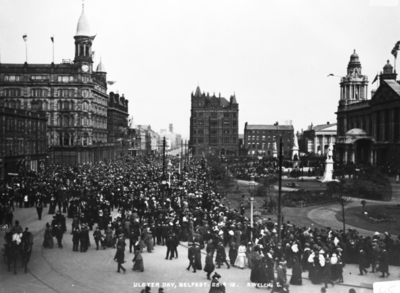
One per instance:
(23, 142)
(368, 129)
(117, 118)
(316, 139)
(264, 139)
(74, 97)
(213, 125)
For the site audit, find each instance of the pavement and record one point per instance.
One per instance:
(61, 270)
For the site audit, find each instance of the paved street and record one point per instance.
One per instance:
(61, 270)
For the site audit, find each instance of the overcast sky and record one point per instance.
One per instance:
(275, 55)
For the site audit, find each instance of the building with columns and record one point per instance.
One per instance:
(316, 139)
(368, 129)
(73, 96)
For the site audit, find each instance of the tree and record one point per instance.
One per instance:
(339, 191)
(221, 174)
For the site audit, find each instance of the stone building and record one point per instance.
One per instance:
(368, 129)
(22, 140)
(117, 118)
(213, 124)
(262, 139)
(316, 139)
(74, 97)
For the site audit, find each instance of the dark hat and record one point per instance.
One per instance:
(216, 276)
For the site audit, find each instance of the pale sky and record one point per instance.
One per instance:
(275, 55)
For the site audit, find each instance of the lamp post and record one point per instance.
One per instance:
(251, 217)
(280, 187)
(169, 168)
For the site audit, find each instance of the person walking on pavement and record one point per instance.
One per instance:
(221, 256)
(191, 257)
(59, 234)
(327, 273)
(138, 260)
(362, 263)
(98, 238)
(384, 263)
(170, 247)
(120, 258)
(209, 265)
(39, 209)
(75, 238)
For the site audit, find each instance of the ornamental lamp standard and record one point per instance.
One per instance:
(169, 170)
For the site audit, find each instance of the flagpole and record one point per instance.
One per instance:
(53, 47)
(26, 51)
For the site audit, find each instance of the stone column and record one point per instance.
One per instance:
(353, 154)
(345, 155)
(322, 144)
(315, 144)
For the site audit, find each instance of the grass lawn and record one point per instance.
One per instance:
(388, 210)
(297, 216)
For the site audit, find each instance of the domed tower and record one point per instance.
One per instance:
(354, 86)
(101, 71)
(388, 72)
(83, 44)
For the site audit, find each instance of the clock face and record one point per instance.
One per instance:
(85, 68)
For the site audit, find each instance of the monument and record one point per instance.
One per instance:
(328, 174)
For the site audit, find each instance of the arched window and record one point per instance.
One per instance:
(66, 139)
(59, 103)
(85, 139)
(45, 106)
(65, 121)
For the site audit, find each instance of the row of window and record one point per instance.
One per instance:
(270, 132)
(215, 131)
(60, 78)
(249, 137)
(215, 140)
(216, 122)
(264, 146)
(23, 146)
(215, 114)
(20, 125)
(40, 92)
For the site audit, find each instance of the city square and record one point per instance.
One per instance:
(265, 187)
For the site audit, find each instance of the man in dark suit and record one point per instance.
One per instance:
(191, 257)
(75, 238)
(170, 247)
(39, 209)
(384, 262)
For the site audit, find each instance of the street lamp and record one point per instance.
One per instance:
(280, 185)
(251, 218)
(169, 169)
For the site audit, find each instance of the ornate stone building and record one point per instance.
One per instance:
(117, 118)
(74, 96)
(213, 124)
(368, 129)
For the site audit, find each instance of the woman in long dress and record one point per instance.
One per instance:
(296, 272)
(241, 257)
(138, 260)
(209, 267)
(48, 237)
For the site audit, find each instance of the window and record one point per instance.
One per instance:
(201, 114)
(12, 78)
(200, 140)
(66, 93)
(226, 140)
(226, 122)
(12, 92)
(214, 123)
(226, 131)
(65, 78)
(39, 92)
(234, 123)
(226, 115)
(201, 122)
(214, 114)
(39, 77)
(214, 140)
(214, 131)
(200, 131)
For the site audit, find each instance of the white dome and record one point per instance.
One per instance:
(100, 67)
(83, 28)
(356, 131)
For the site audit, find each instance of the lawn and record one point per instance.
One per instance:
(392, 211)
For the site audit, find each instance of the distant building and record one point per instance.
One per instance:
(213, 125)
(261, 139)
(23, 142)
(117, 118)
(316, 139)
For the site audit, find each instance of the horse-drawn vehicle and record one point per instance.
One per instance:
(18, 246)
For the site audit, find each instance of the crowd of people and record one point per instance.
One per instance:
(189, 209)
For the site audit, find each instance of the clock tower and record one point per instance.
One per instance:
(83, 45)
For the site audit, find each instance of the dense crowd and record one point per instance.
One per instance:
(190, 209)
